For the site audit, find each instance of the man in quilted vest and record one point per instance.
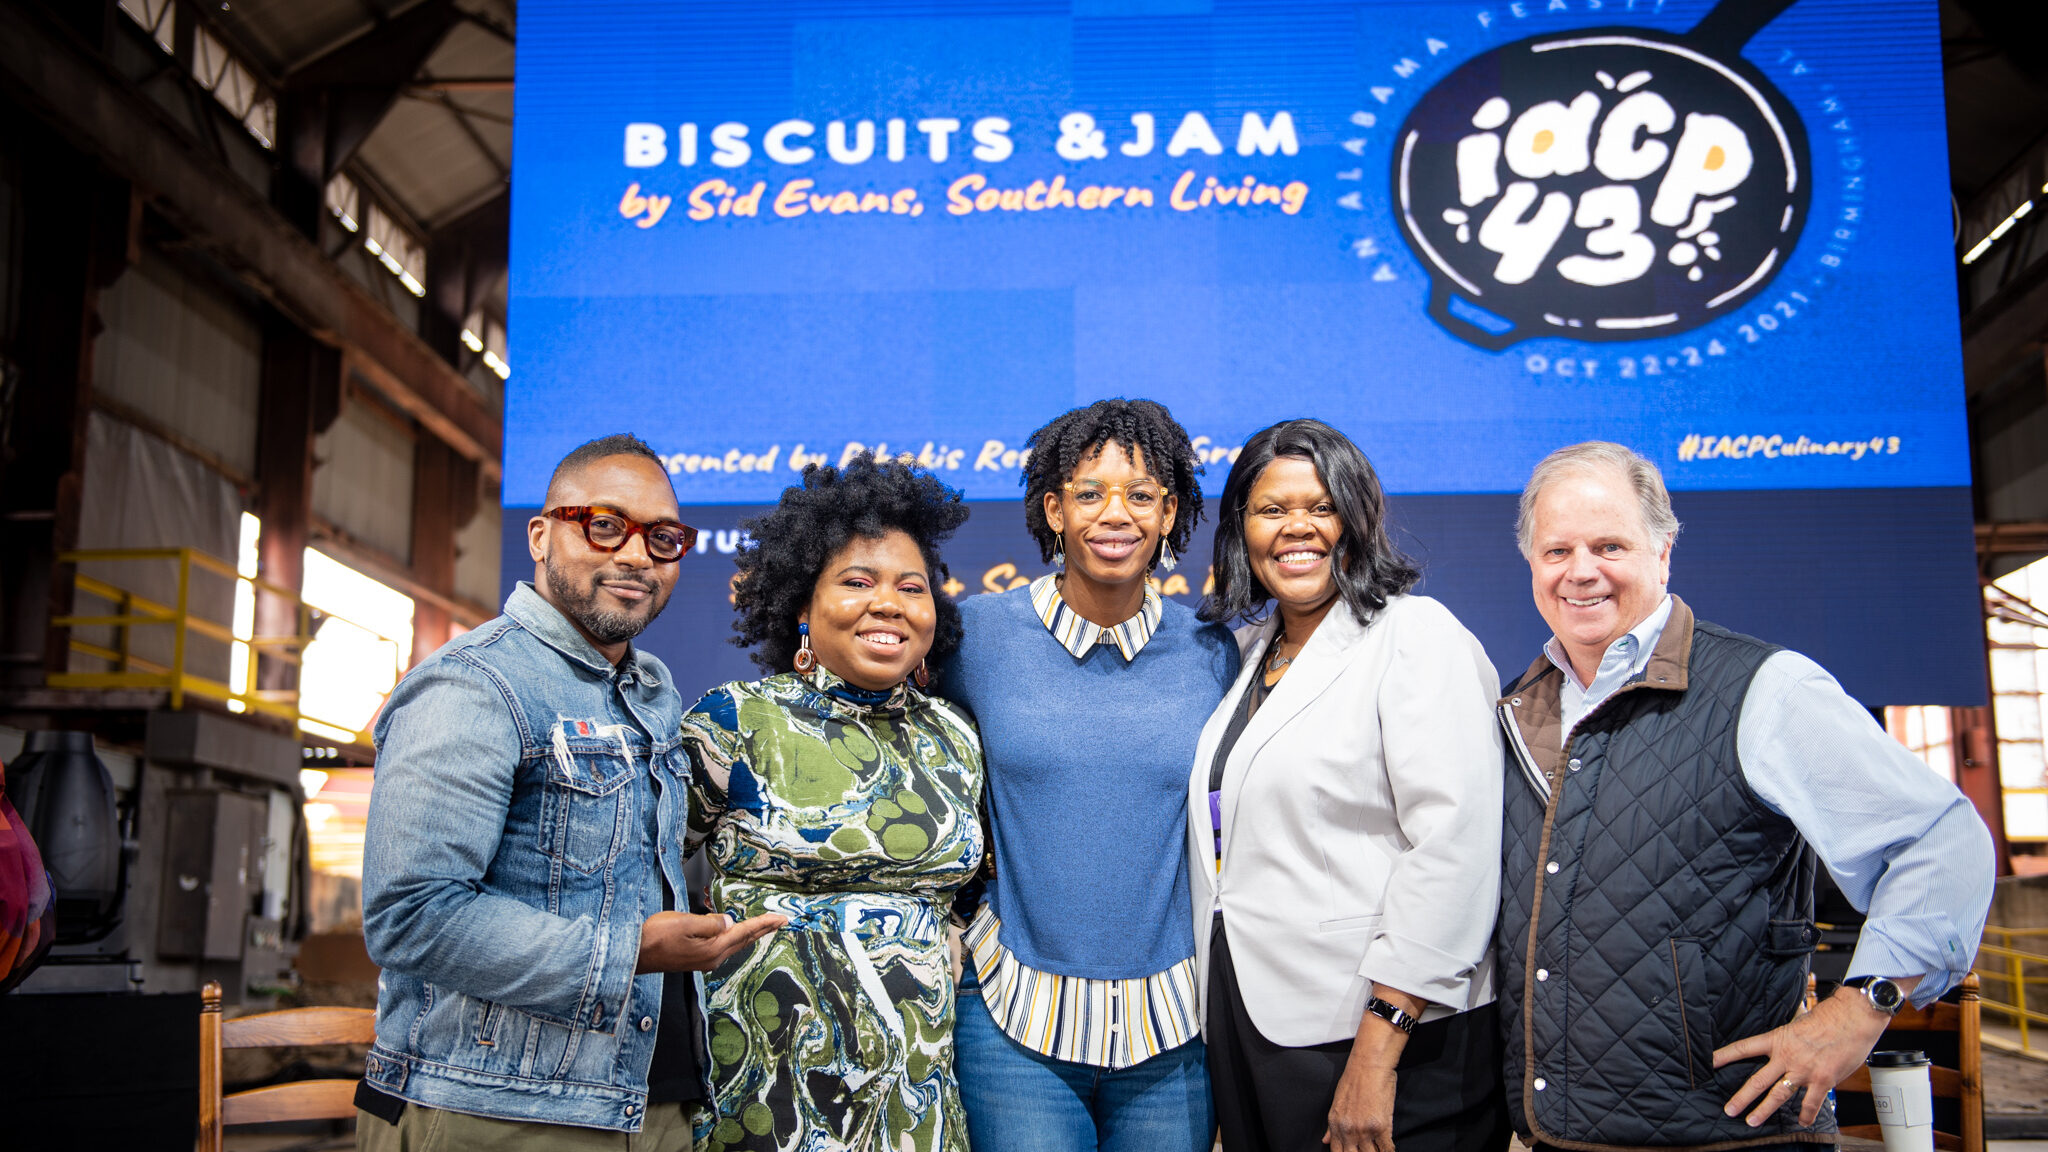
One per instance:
(1671, 786)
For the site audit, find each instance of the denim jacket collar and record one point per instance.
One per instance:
(544, 620)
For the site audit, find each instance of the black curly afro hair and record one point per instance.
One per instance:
(1141, 427)
(812, 522)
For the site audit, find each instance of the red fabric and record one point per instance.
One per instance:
(28, 916)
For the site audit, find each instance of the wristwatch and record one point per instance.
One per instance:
(1883, 995)
(1396, 1016)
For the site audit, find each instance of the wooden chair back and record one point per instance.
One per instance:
(295, 1027)
(1963, 1084)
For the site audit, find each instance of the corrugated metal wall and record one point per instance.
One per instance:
(477, 546)
(362, 483)
(176, 376)
(140, 492)
(183, 356)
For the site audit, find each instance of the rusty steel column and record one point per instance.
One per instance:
(1974, 743)
(300, 396)
(444, 498)
(77, 240)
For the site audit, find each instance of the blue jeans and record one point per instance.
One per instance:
(1020, 1101)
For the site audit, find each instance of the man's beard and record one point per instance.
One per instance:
(605, 627)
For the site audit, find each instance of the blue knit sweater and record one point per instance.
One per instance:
(1087, 764)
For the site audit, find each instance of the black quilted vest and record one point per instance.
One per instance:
(1673, 911)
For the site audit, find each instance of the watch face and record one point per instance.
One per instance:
(1885, 995)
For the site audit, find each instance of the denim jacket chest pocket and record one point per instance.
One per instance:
(587, 813)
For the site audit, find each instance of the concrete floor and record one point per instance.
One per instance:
(254, 1142)
(2014, 1085)
(2016, 1089)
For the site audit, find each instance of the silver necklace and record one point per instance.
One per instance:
(1275, 661)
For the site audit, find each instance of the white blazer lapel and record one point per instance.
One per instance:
(1315, 668)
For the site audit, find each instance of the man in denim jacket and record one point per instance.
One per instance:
(522, 870)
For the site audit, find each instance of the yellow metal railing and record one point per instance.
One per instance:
(2002, 967)
(132, 611)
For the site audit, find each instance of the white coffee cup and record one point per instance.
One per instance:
(1904, 1099)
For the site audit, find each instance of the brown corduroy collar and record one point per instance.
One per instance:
(1669, 661)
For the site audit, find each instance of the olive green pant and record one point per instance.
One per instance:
(436, 1130)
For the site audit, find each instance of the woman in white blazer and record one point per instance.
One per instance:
(1344, 827)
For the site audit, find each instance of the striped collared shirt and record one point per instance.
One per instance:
(1101, 1023)
(1077, 634)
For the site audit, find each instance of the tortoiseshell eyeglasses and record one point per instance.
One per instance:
(608, 529)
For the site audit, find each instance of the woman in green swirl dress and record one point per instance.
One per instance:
(837, 793)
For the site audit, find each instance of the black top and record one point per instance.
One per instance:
(673, 1075)
(1255, 694)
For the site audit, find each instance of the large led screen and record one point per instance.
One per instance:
(761, 235)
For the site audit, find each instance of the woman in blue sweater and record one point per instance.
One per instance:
(1077, 1028)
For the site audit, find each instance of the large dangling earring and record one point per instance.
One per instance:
(1166, 557)
(1059, 555)
(805, 658)
(922, 677)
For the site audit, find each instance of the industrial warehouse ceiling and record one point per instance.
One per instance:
(445, 145)
(1994, 56)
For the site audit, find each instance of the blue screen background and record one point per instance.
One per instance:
(744, 334)
(955, 336)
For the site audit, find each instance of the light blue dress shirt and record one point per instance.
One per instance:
(1902, 843)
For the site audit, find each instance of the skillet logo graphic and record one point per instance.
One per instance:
(1604, 183)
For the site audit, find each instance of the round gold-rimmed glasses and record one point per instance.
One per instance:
(1141, 497)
